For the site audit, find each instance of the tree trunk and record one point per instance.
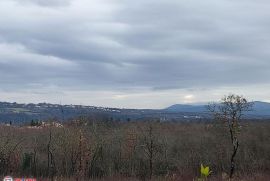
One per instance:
(151, 152)
(235, 149)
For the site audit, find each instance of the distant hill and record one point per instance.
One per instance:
(187, 108)
(260, 109)
(21, 113)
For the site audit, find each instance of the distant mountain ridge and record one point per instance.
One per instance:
(261, 109)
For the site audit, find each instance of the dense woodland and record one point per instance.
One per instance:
(88, 148)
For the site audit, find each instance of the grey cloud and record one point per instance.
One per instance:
(45, 2)
(153, 44)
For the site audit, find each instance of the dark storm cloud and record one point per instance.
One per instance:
(155, 44)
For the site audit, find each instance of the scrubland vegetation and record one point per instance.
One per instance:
(92, 149)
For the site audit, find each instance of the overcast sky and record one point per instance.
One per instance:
(133, 54)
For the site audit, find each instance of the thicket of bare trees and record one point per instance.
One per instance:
(86, 149)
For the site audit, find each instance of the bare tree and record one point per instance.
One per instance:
(230, 111)
(151, 146)
(50, 157)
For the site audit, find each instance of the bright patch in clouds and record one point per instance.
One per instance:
(189, 98)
